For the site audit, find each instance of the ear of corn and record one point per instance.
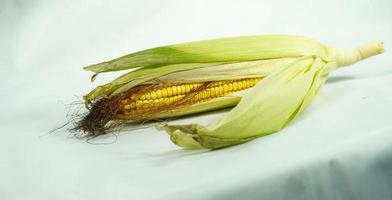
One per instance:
(270, 105)
(194, 77)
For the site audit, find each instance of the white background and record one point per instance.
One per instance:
(339, 148)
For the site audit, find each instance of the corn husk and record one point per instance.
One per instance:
(235, 49)
(293, 68)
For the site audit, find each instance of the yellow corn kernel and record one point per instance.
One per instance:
(174, 99)
(248, 83)
(206, 93)
(235, 86)
(216, 89)
(212, 92)
(187, 88)
(169, 92)
(226, 87)
(164, 92)
(230, 86)
(220, 90)
(174, 90)
(180, 89)
(241, 85)
(159, 94)
(166, 101)
(145, 96)
(178, 97)
(171, 100)
(148, 103)
(153, 95)
(138, 103)
(157, 102)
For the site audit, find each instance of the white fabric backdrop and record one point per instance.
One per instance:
(339, 148)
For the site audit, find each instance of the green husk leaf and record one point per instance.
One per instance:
(234, 49)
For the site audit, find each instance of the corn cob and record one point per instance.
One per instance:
(157, 97)
(194, 77)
